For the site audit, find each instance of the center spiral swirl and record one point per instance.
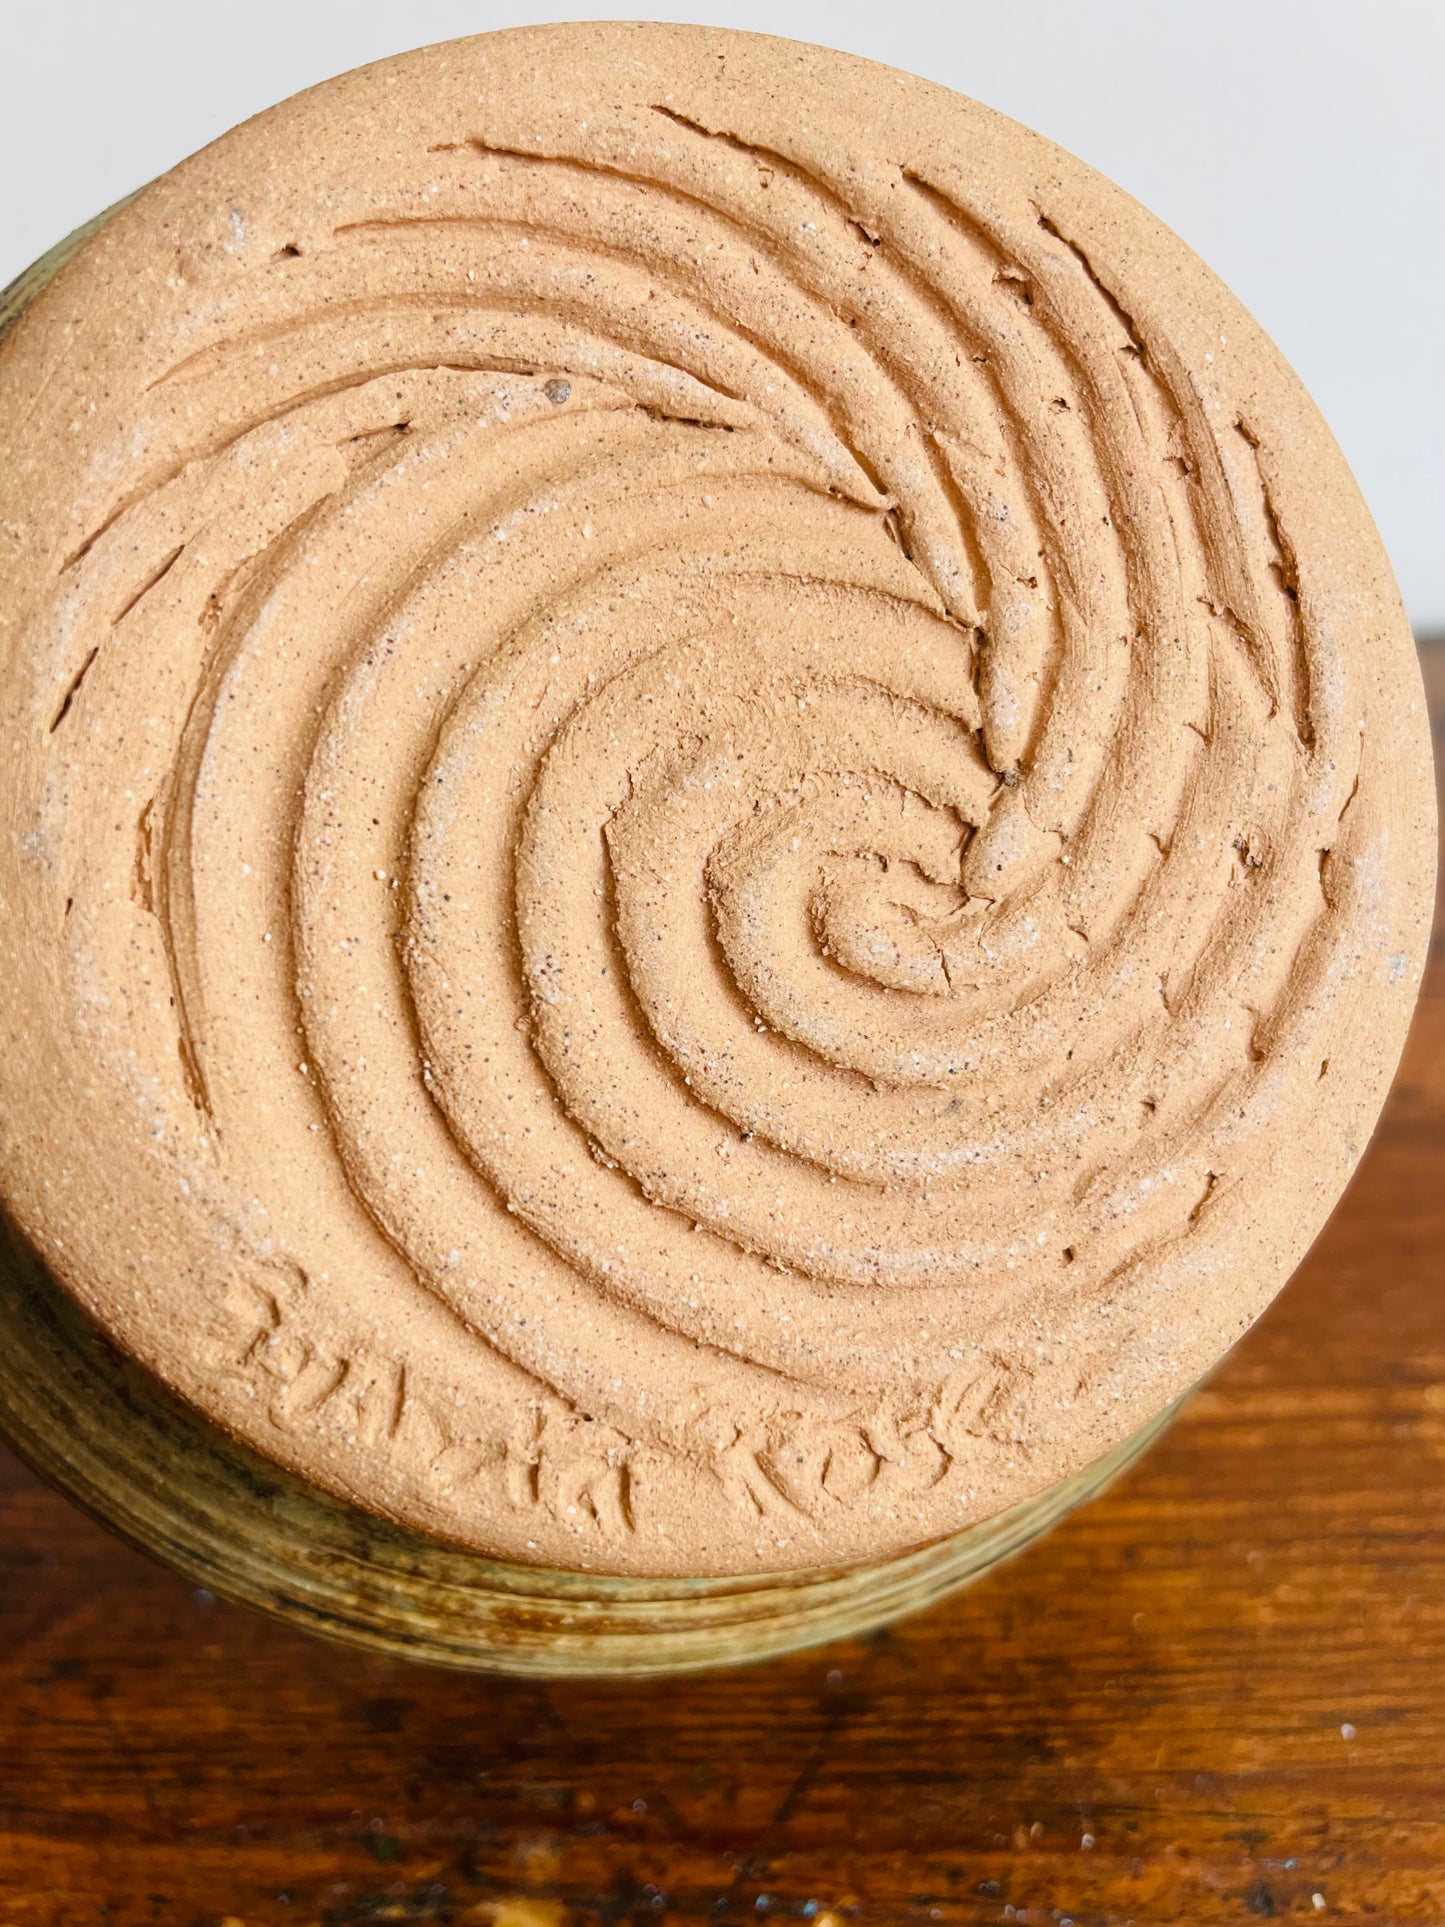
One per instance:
(748, 783)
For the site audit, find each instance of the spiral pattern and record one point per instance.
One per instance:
(753, 850)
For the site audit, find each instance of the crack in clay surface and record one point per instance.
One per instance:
(703, 762)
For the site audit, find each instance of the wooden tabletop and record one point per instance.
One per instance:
(1216, 1695)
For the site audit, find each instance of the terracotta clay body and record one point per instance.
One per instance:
(715, 828)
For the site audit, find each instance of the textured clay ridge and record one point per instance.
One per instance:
(716, 823)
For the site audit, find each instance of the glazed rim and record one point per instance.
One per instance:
(844, 1214)
(103, 1430)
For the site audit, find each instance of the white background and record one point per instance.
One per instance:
(1298, 145)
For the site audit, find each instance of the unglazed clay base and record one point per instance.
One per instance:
(717, 830)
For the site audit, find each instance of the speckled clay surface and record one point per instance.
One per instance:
(715, 824)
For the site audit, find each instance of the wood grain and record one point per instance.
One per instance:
(1218, 1694)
